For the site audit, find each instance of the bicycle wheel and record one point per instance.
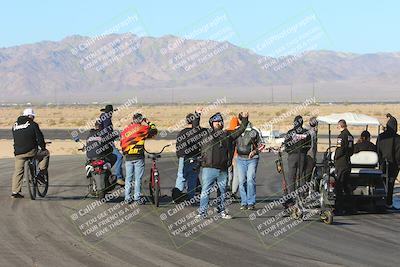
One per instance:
(29, 173)
(151, 190)
(43, 185)
(157, 192)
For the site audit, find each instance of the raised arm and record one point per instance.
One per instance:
(243, 125)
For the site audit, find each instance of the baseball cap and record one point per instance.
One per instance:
(28, 112)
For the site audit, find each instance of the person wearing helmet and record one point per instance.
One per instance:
(187, 151)
(296, 144)
(132, 144)
(248, 146)
(27, 139)
(216, 153)
(312, 130)
(106, 125)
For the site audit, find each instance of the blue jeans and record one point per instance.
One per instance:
(134, 167)
(247, 169)
(187, 173)
(118, 163)
(209, 177)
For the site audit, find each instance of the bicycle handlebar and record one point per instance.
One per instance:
(157, 153)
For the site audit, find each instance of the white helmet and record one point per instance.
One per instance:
(28, 112)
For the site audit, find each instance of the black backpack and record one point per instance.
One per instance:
(246, 142)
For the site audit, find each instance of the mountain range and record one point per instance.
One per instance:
(169, 69)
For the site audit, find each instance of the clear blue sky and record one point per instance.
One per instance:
(353, 26)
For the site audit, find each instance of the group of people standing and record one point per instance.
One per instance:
(100, 144)
(228, 157)
(215, 149)
(301, 145)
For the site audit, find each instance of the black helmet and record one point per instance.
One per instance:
(138, 118)
(190, 118)
(313, 122)
(216, 117)
(298, 121)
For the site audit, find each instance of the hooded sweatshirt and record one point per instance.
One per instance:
(297, 138)
(27, 136)
(388, 144)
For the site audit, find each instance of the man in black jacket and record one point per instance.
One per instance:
(187, 151)
(248, 146)
(98, 144)
(216, 152)
(311, 157)
(27, 138)
(296, 144)
(344, 150)
(388, 145)
(107, 125)
(364, 143)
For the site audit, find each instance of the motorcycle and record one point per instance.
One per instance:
(99, 175)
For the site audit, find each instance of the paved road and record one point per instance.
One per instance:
(66, 229)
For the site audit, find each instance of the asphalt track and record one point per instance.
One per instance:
(52, 231)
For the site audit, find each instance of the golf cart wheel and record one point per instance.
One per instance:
(327, 217)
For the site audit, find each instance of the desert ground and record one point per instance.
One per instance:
(165, 116)
(171, 118)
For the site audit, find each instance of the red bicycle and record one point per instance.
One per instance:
(154, 182)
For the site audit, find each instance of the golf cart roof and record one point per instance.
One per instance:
(350, 118)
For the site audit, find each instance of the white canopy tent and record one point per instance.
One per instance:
(350, 118)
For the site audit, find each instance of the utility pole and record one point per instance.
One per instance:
(272, 94)
(291, 93)
(313, 89)
(55, 97)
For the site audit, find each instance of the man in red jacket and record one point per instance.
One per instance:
(132, 144)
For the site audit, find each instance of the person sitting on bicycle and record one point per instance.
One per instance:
(106, 124)
(132, 143)
(27, 139)
(98, 146)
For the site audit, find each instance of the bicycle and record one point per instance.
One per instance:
(154, 182)
(31, 172)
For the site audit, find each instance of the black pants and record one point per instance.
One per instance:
(111, 158)
(342, 188)
(296, 166)
(310, 164)
(393, 171)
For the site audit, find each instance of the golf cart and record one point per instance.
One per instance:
(366, 181)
